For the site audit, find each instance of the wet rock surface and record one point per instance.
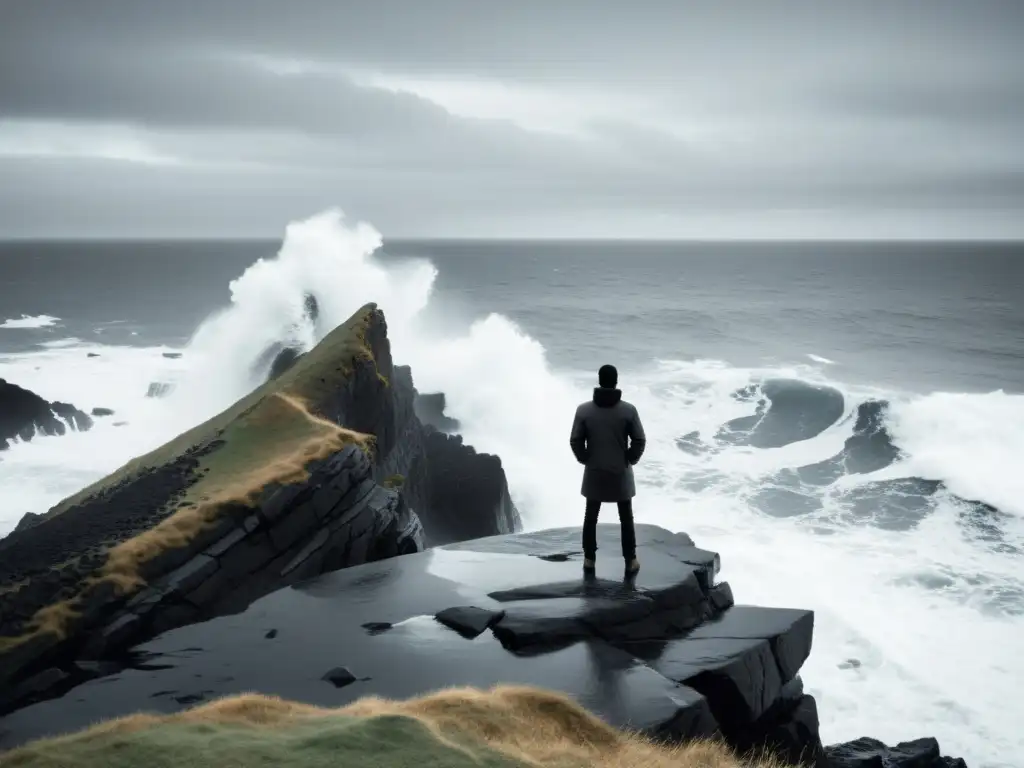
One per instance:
(24, 413)
(666, 651)
(871, 753)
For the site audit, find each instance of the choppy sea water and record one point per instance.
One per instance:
(843, 423)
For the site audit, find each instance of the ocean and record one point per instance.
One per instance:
(883, 488)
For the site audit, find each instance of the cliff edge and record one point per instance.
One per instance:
(666, 654)
(323, 467)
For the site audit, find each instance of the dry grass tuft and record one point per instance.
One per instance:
(530, 726)
(271, 445)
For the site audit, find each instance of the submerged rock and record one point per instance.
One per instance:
(159, 389)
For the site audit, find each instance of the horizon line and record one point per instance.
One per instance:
(511, 239)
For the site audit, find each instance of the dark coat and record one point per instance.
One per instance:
(608, 439)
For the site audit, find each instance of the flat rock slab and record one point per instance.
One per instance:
(740, 660)
(435, 619)
(788, 630)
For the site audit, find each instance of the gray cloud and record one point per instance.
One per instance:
(271, 110)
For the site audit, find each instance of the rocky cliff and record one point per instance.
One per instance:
(666, 653)
(24, 413)
(323, 467)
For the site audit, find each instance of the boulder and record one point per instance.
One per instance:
(23, 414)
(99, 412)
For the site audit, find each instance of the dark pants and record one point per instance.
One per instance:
(625, 519)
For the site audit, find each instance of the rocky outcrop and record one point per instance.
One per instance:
(297, 479)
(23, 414)
(464, 494)
(458, 493)
(28, 520)
(666, 652)
(430, 409)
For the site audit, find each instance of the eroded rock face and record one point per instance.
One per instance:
(464, 494)
(24, 413)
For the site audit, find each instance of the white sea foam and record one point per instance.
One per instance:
(942, 660)
(29, 322)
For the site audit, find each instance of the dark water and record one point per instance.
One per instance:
(920, 316)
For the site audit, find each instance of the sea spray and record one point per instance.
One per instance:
(931, 611)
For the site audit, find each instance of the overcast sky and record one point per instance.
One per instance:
(524, 118)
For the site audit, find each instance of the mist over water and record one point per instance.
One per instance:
(901, 523)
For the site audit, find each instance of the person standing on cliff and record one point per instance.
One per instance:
(608, 439)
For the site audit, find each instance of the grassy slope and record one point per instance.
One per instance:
(315, 375)
(267, 437)
(504, 727)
